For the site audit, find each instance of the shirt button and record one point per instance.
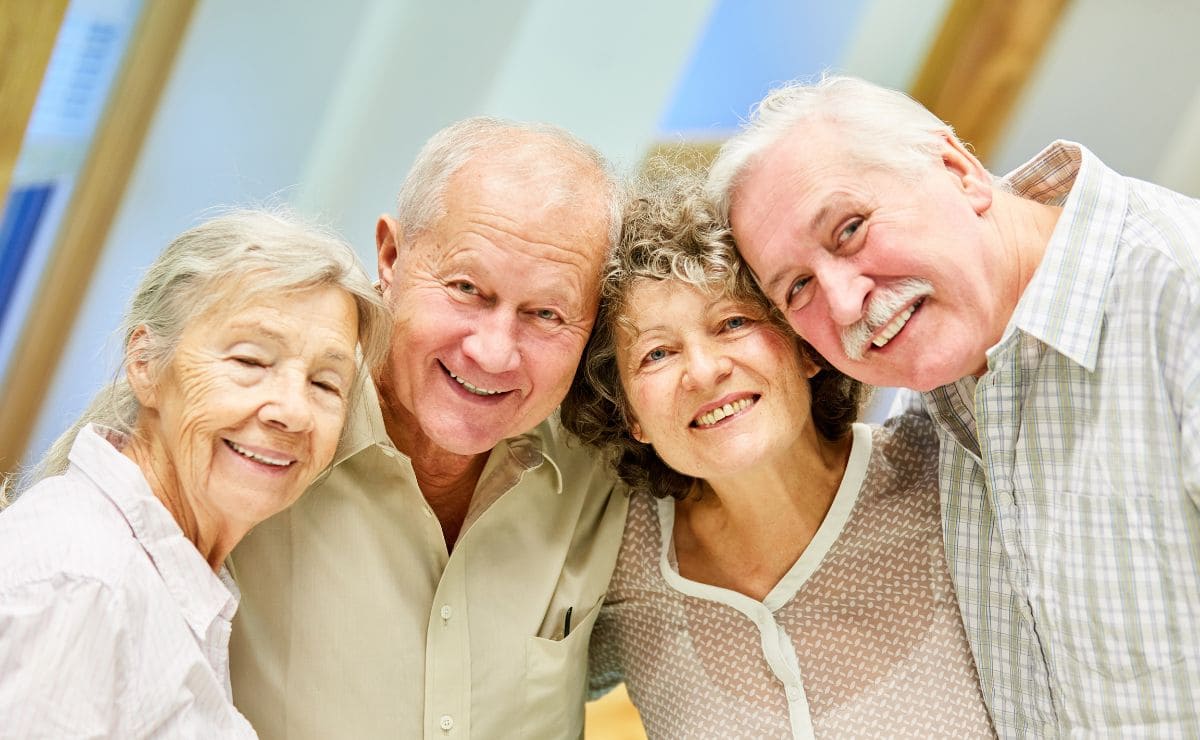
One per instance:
(793, 693)
(428, 513)
(446, 722)
(446, 611)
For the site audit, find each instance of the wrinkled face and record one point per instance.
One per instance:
(896, 281)
(251, 406)
(492, 307)
(714, 390)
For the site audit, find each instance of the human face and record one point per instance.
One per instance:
(492, 307)
(251, 405)
(715, 390)
(897, 281)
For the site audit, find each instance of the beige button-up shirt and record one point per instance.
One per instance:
(357, 623)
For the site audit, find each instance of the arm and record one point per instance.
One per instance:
(62, 652)
(604, 663)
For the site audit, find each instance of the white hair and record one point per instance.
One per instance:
(421, 201)
(882, 128)
(234, 257)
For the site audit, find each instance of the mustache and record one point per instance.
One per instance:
(883, 307)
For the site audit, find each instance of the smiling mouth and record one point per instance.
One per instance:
(471, 387)
(893, 327)
(719, 414)
(257, 457)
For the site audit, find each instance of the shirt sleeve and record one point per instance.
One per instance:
(62, 651)
(604, 663)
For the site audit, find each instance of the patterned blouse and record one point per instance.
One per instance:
(861, 638)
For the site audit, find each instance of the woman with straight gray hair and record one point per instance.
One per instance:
(243, 348)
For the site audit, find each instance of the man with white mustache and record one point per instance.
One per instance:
(1051, 320)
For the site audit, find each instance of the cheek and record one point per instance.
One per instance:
(328, 431)
(552, 359)
(816, 330)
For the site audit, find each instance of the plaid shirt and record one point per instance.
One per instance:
(1071, 469)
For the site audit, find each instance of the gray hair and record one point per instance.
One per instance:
(671, 232)
(237, 256)
(421, 201)
(883, 128)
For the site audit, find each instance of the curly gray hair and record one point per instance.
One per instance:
(671, 232)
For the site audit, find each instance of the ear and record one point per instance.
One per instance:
(635, 430)
(808, 367)
(387, 231)
(968, 172)
(137, 368)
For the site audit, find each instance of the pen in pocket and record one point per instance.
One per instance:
(567, 622)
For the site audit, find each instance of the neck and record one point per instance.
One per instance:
(804, 480)
(447, 480)
(745, 531)
(212, 538)
(1026, 227)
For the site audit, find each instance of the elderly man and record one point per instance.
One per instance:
(1051, 319)
(443, 579)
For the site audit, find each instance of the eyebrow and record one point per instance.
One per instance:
(266, 331)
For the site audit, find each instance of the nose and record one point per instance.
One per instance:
(707, 364)
(288, 405)
(492, 344)
(846, 290)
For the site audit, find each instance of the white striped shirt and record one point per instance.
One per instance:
(111, 622)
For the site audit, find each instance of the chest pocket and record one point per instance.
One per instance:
(555, 680)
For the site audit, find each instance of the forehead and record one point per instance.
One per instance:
(285, 317)
(663, 304)
(530, 215)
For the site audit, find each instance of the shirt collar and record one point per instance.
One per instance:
(1063, 305)
(365, 428)
(201, 594)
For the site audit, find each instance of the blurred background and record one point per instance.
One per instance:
(124, 121)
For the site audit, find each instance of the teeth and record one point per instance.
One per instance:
(256, 457)
(893, 328)
(473, 388)
(729, 409)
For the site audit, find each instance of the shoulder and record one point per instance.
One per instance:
(905, 451)
(1166, 224)
(904, 435)
(65, 528)
(579, 463)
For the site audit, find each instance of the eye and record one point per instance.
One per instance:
(466, 287)
(797, 296)
(546, 314)
(249, 361)
(734, 323)
(849, 230)
(328, 387)
(655, 355)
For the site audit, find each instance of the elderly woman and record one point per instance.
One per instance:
(239, 365)
(782, 572)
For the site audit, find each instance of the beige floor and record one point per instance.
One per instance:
(613, 717)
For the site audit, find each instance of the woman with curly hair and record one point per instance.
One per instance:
(782, 572)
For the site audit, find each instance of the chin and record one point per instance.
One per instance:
(465, 440)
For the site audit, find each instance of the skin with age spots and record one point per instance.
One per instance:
(247, 413)
(493, 305)
(681, 354)
(829, 239)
